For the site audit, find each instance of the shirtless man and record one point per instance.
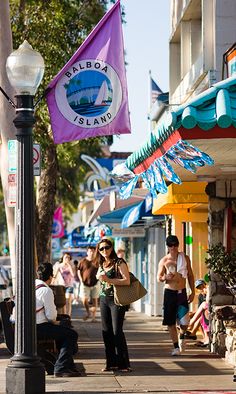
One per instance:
(174, 269)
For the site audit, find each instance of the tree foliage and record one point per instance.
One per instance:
(223, 263)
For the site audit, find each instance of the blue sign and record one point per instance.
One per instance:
(77, 239)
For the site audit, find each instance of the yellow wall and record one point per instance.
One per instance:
(199, 248)
(197, 251)
(188, 203)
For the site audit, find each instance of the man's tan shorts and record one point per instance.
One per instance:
(90, 292)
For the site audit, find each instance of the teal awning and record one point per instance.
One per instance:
(214, 107)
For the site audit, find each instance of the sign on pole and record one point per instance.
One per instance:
(12, 169)
(12, 158)
(37, 159)
(11, 193)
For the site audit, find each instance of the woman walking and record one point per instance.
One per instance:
(112, 271)
(64, 269)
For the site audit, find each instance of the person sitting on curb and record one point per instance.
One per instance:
(201, 286)
(48, 328)
(201, 316)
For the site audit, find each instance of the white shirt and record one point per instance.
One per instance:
(3, 276)
(44, 300)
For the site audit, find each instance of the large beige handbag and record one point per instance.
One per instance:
(125, 295)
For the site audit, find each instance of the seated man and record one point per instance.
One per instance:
(49, 328)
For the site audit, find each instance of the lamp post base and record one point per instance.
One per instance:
(25, 380)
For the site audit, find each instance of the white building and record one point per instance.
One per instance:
(201, 32)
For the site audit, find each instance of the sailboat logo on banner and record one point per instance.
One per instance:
(85, 93)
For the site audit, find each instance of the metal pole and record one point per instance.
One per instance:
(25, 374)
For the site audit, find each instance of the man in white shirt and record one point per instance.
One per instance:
(49, 328)
(4, 282)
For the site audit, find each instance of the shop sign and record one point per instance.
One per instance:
(130, 232)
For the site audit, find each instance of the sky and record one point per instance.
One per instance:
(146, 43)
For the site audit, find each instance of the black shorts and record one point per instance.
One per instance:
(175, 307)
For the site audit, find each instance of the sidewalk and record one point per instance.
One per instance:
(154, 370)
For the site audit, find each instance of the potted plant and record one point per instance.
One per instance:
(223, 263)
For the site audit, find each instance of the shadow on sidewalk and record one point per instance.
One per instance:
(171, 368)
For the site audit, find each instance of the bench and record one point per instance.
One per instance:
(59, 297)
(46, 348)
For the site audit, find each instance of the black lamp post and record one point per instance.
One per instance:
(25, 374)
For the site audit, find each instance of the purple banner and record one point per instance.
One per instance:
(88, 97)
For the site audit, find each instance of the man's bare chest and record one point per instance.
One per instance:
(171, 266)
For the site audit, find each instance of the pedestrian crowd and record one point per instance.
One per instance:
(93, 281)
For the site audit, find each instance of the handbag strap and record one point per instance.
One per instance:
(117, 263)
(118, 274)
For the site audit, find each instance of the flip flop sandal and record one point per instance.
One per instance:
(109, 369)
(126, 370)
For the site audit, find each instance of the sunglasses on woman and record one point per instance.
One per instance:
(104, 248)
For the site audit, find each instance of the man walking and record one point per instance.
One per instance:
(174, 269)
(89, 284)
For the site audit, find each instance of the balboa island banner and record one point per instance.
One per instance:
(88, 97)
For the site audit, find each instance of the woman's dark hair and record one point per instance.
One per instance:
(65, 254)
(44, 271)
(99, 259)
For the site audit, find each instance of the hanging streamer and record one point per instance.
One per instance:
(193, 150)
(121, 173)
(127, 189)
(183, 163)
(168, 170)
(182, 153)
(158, 176)
(149, 180)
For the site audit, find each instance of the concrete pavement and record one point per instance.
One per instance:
(154, 370)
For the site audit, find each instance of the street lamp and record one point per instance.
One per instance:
(25, 374)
